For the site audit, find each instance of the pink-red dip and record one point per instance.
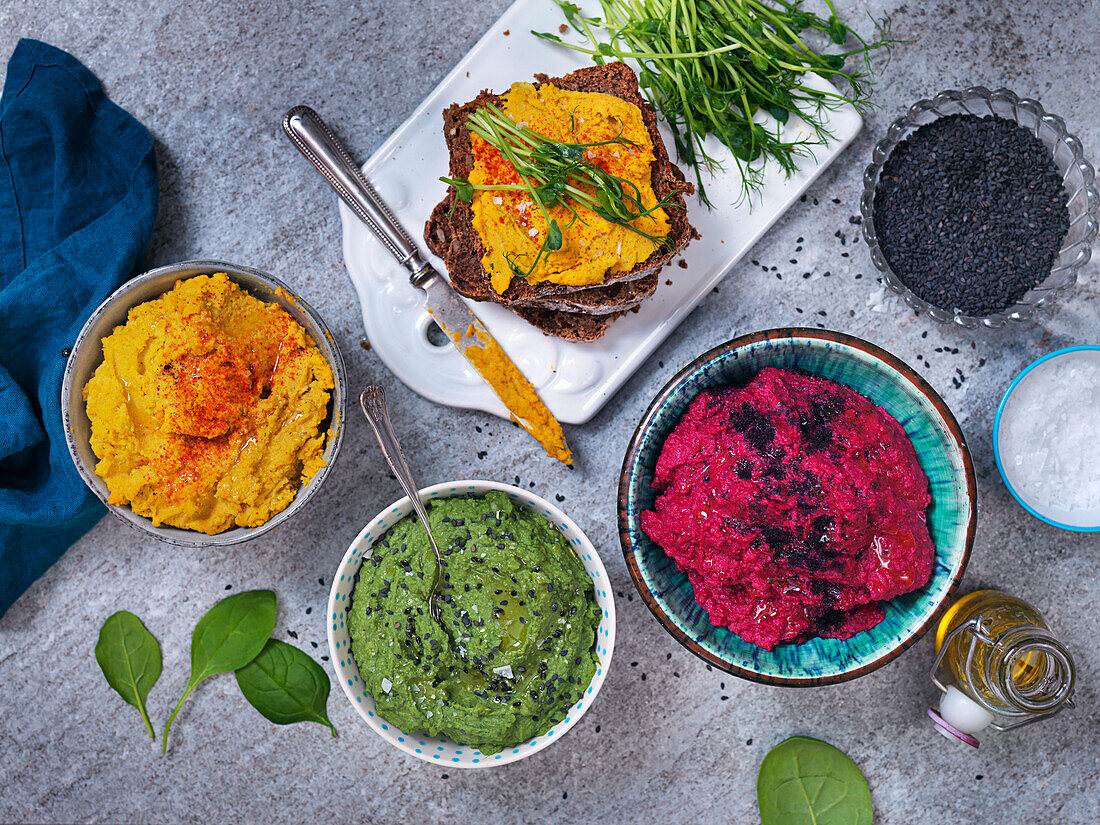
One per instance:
(794, 505)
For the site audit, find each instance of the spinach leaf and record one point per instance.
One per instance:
(805, 781)
(129, 657)
(285, 685)
(229, 636)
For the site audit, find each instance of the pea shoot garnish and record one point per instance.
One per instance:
(557, 173)
(710, 67)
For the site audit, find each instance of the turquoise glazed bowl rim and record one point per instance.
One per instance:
(1076, 528)
(737, 656)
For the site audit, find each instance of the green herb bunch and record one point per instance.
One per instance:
(710, 67)
(283, 683)
(553, 173)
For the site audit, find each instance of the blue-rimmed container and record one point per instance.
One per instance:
(1087, 521)
(442, 750)
(941, 450)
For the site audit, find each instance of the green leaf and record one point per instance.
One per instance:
(837, 30)
(285, 685)
(229, 636)
(553, 38)
(463, 188)
(129, 657)
(553, 236)
(805, 781)
(570, 10)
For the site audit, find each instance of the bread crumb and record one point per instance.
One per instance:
(562, 29)
(507, 32)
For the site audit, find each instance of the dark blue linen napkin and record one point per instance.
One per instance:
(78, 200)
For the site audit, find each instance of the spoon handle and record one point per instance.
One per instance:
(373, 402)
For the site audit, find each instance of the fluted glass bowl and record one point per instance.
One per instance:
(1077, 174)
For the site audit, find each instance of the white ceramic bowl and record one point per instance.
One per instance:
(444, 751)
(87, 354)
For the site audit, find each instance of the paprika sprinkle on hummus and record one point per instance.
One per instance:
(208, 408)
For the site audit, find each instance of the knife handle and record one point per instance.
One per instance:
(322, 148)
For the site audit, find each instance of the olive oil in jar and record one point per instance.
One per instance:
(1003, 666)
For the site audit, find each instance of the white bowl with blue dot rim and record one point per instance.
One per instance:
(439, 750)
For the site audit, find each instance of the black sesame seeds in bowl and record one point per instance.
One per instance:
(979, 207)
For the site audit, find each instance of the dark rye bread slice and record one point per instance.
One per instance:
(602, 301)
(452, 237)
(569, 325)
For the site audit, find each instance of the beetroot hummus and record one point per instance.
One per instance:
(794, 505)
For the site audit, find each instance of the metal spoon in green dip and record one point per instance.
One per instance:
(373, 402)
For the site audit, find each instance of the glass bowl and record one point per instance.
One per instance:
(1078, 178)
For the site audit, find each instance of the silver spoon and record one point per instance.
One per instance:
(373, 402)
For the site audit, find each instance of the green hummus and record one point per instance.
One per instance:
(519, 617)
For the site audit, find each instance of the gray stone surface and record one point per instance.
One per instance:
(663, 744)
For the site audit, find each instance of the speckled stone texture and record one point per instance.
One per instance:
(668, 739)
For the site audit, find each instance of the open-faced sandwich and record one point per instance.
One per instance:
(563, 203)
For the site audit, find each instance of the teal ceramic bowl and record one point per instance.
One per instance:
(941, 450)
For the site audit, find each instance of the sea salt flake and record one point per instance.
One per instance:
(386, 685)
(505, 671)
(1050, 435)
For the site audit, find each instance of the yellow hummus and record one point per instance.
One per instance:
(207, 409)
(512, 226)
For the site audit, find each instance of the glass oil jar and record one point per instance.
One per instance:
(1003, 666)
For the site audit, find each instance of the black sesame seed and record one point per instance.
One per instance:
(970, 213)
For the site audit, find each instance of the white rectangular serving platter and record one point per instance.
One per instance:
(574, 379)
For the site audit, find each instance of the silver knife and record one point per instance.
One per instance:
(315, 140)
